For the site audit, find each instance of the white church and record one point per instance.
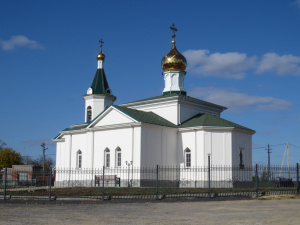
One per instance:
(171, 129)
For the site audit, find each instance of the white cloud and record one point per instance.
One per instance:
(297, 3)
(227, 65)
(281, 65)
(20, 41)
(238, 101)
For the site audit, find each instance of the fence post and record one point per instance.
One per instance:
(50, 181)
(156, 181)
(256, 179)
(103, 183)
(5, 178)
(209, 191)
(297, 178)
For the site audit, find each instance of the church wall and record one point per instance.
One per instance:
(187, 140)
(112, 139)
(79, 142)
(169, 113)
(218, 146)
(158, 146)
(97, 106)
(167, 110)
(60, 152)
(243, 172)
(189, 110)
(202, 143)
(243, 141)
(66, 152)
(136, 138)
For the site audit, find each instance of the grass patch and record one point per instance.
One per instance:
(126, 191)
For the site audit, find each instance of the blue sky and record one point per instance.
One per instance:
(244, 55)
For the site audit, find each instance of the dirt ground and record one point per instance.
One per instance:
(276, 211)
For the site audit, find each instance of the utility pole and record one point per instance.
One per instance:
(44, 149)
(269, 160)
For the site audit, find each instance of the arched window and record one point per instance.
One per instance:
(241, 155)
(187, 157)
(107, 157)
(79, 159)
(89, 114)
(118, 157)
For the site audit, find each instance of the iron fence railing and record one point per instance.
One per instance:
(167, 181)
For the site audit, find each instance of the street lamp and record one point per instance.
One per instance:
(128, 164)
(44, 149)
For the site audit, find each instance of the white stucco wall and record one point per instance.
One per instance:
(241, 140)
(113, 117)
(98, 104)
(158, 146)
(202, 143)
(188, 110)
(124, 138)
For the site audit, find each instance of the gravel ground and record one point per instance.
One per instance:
(283, 211)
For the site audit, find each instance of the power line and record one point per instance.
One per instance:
(295, 146)
(269, 146)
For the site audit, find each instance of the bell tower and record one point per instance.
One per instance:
(99, 95)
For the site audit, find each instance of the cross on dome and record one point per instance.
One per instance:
(101, 56)
(173, 28)
(101, 42)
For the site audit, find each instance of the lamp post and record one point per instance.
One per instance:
(128, 164)
(209, 191)
(44, 149)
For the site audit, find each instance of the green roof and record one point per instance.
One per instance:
(77, 127)
(204, 120)
(100, 84)
(145, 117)
(209, 120)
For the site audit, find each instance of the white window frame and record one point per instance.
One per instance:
(79, 159)
(118, 157)
(107, 158)
(187, 158)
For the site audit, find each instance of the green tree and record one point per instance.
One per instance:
(9, 157)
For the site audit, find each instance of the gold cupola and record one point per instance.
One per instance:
(100, 55)
(173, 60)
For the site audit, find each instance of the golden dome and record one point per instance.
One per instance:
(101, 56)
(173, 60)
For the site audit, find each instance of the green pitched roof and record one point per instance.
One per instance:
(145, 117)
(205, 120)
(211, 121)
(77, 127)
(100, 84)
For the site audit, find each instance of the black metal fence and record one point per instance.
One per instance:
(158, 182)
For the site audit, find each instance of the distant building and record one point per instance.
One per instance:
(21, 174)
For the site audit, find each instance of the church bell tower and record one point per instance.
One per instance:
(99, 95)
